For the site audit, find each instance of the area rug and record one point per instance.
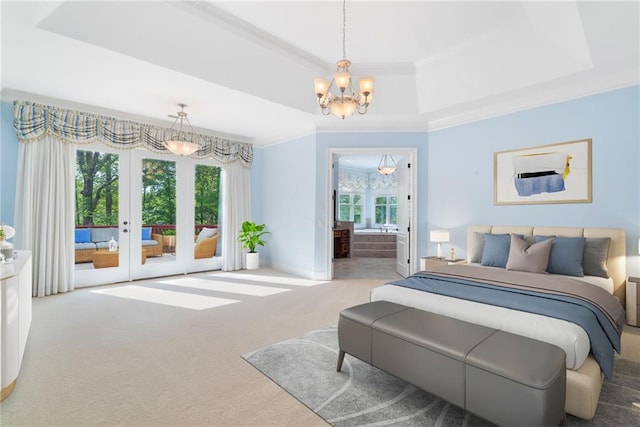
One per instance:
(305, 367)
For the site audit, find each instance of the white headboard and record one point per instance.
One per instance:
(616, 261)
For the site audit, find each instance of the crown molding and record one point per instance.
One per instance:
(573, 90)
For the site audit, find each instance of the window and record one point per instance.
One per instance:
(350, 208)
(207, 195)
(96, 188)
(386, 209)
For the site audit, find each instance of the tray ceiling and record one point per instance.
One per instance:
(246, 69)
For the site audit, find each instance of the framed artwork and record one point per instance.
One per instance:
(554, 173)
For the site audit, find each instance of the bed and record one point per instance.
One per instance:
(586, 356)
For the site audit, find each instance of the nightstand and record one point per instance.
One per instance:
(431, 262)
(633, 301)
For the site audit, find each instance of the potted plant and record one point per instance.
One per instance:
(251, 237)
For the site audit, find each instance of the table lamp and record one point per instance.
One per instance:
(439, 236)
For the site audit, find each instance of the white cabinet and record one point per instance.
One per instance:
(15, 318)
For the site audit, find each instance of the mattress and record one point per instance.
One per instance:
(566, 335)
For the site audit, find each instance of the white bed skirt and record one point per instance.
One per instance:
(566, 335)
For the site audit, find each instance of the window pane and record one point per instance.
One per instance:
(394, 200)
(207, 194)
(381, 214)
(381, 200)
(345, 199)
(393, 212)
(344, 213)
(357, 199)
(96, 208)
(96, 188)
(206, 208)
(158, 206)
(357, 214)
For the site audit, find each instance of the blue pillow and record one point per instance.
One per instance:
(495, 251)
(83, 235)
(146, 233)
(566, 255)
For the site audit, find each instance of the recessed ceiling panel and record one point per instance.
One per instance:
(191, 39)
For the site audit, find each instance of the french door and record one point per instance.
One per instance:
(146, 202)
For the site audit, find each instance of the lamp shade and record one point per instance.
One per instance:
(342, 79)
(181, 148)
(322, 87)
(439, 236)
(343, 106)
(366, 85)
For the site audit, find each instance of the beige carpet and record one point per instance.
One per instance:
(99, 359)
(93, 358)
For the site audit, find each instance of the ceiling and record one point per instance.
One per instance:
(245, 69)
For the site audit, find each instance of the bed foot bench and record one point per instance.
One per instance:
(502, 377)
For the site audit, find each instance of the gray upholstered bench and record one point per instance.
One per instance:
(504, 378)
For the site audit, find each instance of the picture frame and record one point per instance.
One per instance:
(552, 173)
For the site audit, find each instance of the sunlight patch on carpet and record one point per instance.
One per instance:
(164, 297)
(222, 286)
(276, 280)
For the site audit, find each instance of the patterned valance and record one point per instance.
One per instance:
(34, 121)
(356, 179)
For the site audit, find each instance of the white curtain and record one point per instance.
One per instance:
(44, 212)
(236, 208)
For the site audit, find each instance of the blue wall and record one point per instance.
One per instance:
(455, 177)
(288, 203)
(460, 164)
(8, 163)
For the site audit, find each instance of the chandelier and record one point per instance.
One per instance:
(386, 168)
(178, 143)
(346, 102)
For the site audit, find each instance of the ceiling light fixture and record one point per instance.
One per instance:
(386, 168)
(178, 143)
(347, 102)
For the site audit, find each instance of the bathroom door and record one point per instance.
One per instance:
(403, 238)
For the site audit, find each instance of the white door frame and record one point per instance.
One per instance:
(412, 155)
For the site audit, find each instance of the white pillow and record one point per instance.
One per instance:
(205, 233)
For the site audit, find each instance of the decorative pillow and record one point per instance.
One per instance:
(103, 234)
(476, 249)
(566, 255)
(524, 256)
(495, 251)
(83, 235)
(594, 261)
(146, 233)
(205, 233)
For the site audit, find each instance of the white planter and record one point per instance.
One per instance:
(253, 260)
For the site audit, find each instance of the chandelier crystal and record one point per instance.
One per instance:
(178, 143)
(347, 101)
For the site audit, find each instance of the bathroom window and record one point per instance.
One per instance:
(351, 208)
(386, 210)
